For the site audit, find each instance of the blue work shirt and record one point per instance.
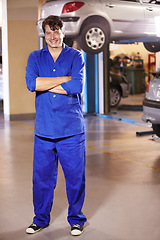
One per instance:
(57, 115)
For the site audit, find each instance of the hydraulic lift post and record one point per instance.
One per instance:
(97, 91)
(106, 70)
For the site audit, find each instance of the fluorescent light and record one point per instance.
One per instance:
(117, 31)
(150, 33)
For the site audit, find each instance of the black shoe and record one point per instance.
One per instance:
(33, 228)
(76, 229)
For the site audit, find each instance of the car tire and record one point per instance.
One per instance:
(115, 96)
(152, 46)
(93, 37)
(68, 42)
(156, 129)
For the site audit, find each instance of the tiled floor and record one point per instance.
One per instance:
(122, 182)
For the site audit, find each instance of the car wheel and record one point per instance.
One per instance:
(152, 46)
(93, 37)
(156, 129)
(68, 42)
(115, 96)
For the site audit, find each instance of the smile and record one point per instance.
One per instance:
(54, 41)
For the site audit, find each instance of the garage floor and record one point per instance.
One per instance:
(122, 182)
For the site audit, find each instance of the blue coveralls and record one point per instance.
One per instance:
(59, 133)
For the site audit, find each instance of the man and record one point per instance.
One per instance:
(56, 74)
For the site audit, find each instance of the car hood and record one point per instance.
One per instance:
(117, 79)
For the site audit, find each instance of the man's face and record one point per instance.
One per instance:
(54, 39)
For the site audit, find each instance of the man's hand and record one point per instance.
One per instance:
(58, 90)
(68, 78)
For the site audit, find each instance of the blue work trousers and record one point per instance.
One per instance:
(71, 154)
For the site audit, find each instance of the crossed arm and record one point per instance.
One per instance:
(72, 84)
(52, 84)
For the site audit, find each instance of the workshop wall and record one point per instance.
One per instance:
(131, 49)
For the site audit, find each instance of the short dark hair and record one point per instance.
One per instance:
(54, 23)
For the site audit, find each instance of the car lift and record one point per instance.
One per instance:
(97, 88)
(139, 134)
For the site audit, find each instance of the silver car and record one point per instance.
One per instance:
(151, 103)
(93, 23)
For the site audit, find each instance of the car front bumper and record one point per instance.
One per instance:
(151, 111)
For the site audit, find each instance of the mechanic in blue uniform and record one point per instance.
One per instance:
(56, 74)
